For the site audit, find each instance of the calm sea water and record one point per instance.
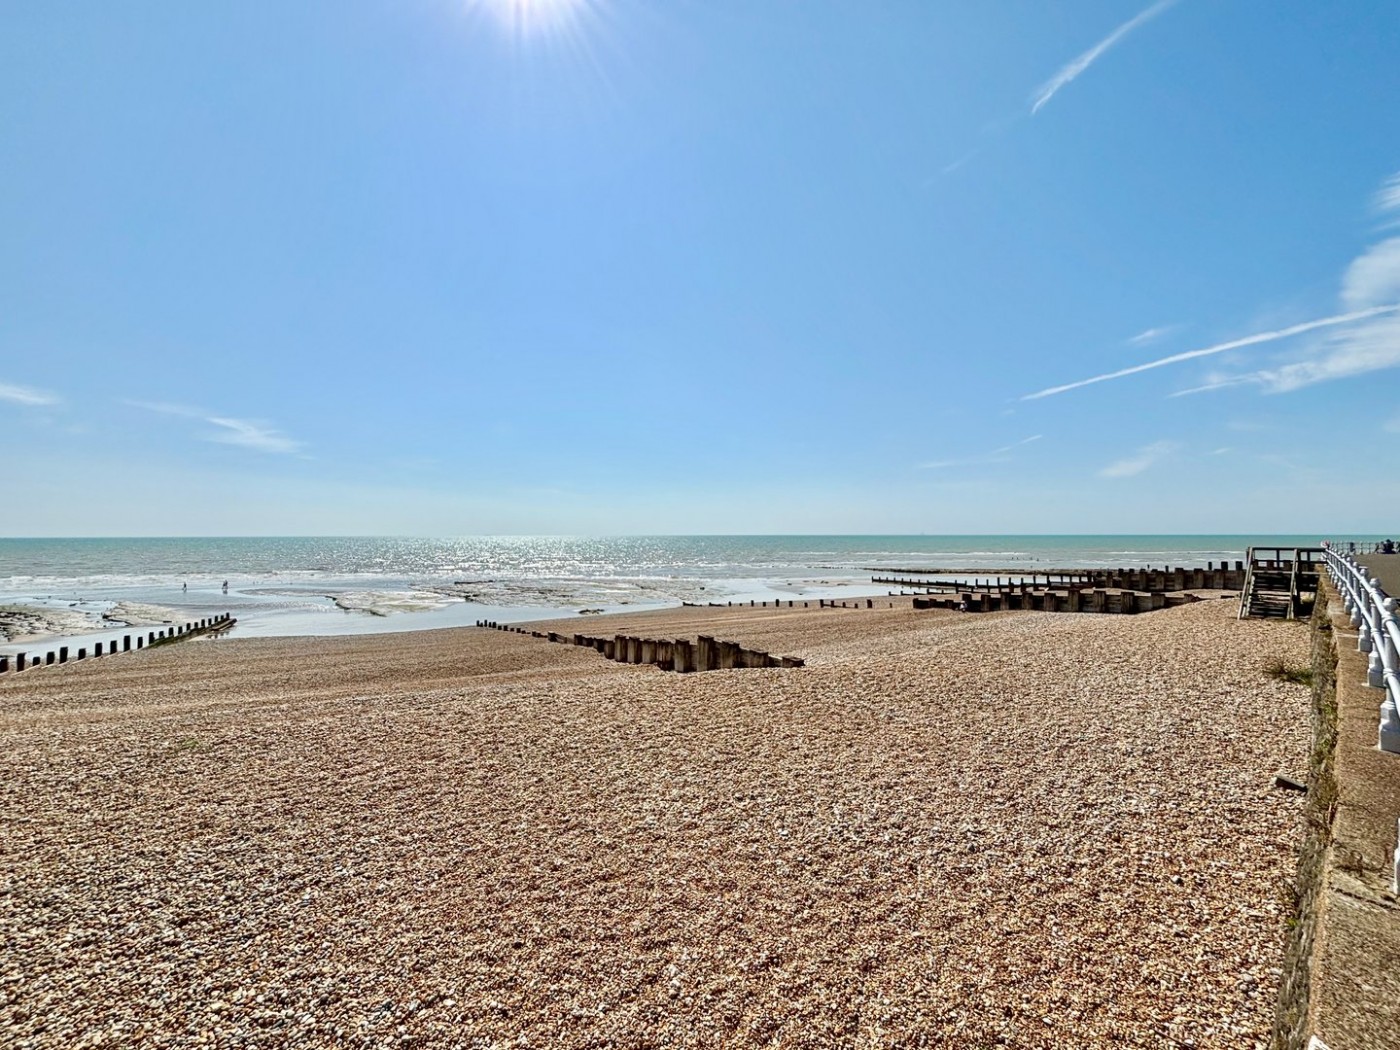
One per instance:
(334, 585)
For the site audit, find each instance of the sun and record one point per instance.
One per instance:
(537, 17)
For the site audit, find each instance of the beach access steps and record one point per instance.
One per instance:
(214, 625)
(681, 655)
(1281, 583)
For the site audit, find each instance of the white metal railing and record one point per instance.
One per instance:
(1372, 613)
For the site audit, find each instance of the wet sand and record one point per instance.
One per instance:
(1010, 829)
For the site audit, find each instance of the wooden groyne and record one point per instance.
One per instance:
(680, 655)
(1213, 577)
(1073, 599)
(197, 628)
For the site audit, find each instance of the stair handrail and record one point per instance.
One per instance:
(1373, 613)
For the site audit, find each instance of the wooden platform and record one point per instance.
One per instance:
(1281, 583)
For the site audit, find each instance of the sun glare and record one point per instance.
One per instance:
(536, 17)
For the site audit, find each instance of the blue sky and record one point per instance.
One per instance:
(602, 266)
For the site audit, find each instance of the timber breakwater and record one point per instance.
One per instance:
(206, 628)
(680, 655)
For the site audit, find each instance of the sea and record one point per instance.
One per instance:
(55, 590)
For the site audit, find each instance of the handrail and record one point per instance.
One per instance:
(1373, 614)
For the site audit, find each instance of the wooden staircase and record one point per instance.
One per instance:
(1281, 582)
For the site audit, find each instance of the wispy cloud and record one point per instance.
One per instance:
(246, 433)
(1151, 335)
(26, 395)
(1145, 457)
(1220, 348)
(1221, 451)
(251, 433)
(1392, 425)
(997, 455)
(1371, 289)
(1069, 72)
(166, 408)
(1388, 196)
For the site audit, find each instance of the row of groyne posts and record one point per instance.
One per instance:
(1072, 590)
(1373, 613)
(681, 655)
(213, 625)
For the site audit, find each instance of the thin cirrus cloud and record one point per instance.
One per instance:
(26, 395)
(1388, 196)
(997, 455)
(1069, 72)
(1151, 335)
(1219, 348)
(244, 433)
(1144, 458)
(1370, 290)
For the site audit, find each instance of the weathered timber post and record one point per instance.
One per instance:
(634, 650)
(19, 661)
(706, 659)
(647, 651)
(63, 654)
(608, 650)
(139, 641)
(4, 663)
(97, 649)
(682, 656)
(82, 654)
(126, 643)
(1072, 600)
(728, 655)
(665, 655)
(869, 604)
(792, 661)
(48, 657)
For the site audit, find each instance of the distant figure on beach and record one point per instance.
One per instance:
(185, 587)
(1388, 547)
(226, 586)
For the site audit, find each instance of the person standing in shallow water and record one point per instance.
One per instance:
(226, 586)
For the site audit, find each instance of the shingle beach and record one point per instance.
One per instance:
(1030, 830)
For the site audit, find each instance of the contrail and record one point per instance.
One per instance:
(1219, 348)
(1084, 61)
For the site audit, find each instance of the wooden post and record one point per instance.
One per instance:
(126, 643)
(728, 655)
(620, 648)
(48, 657)
(4, 663)
(63, 654)
(609, 649)
(97, 649)
(706, 659)
(647, 651)
(139, 641)
(682, 656)
(82, 654)
(19, 661)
